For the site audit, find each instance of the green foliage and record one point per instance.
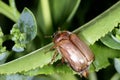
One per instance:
(9, 11)
(27, 25)
(110, 42)
(103, 55)
(24, 30)
(49, 15)
(112, 39)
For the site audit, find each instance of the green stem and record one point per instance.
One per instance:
(46, 16)
(74, 10)
(13, 6)
(9, 11)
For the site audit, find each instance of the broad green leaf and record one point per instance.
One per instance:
(102, 55)
(27, 25)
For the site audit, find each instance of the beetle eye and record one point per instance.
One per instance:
(53, 35)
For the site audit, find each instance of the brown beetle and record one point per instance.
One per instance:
(74, 51)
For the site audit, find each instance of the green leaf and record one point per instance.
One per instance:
(56, 76)
(37, 58)
(101, 25)
(27, 25)
(50, 69)
(66, 76)
(110, 42)
(102, 55)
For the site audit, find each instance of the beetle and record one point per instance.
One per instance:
(74, 51)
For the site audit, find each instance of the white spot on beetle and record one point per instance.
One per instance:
(76, 59)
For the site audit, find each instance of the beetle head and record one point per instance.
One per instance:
(60, 35)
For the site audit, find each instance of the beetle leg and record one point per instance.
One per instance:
(54, 56)
(51, 49)
(63, 60)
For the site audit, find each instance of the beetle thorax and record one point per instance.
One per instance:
(61, 36)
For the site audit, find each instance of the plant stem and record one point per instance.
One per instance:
(46, 16)
(74, 10)
(9, 12)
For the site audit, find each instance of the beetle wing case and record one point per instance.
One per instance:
(72, 55)
(75, 52)
(85, 50)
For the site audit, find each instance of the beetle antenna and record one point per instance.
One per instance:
(48, 36)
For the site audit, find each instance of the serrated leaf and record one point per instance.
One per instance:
(66, 76)
(101, 25)
(102, 55)
(37, 58)
(50, 69)
(110, 42)
(27, 25)
(56, 76)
